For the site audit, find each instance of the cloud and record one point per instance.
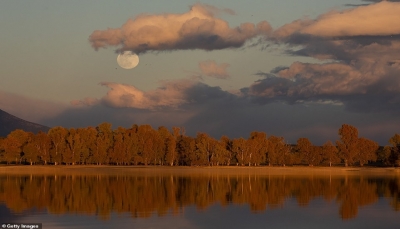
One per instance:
(380, 19)
(219, 113)
(214, 111)
(372, 88)
(212, 69)
(171, 94)
(197, 29)
(359, 72)
(361, 63)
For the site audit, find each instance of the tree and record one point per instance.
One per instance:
(42, 143)
(186, 147)
(278, 151)
(316, 157)
(147, 143)
(227, 155)
(1, 149)
(12, 149)
(240, 149)
(330, 153)
(158, 149)
(31, 152)
(171, 156)
(393, 151)
(163, 134)
(258, 144)
(119, 149)
(348, 144)
(132, 145)
(204, 149)
(89, 146)
(367, 151)
(57, 137)
(306, 151)
(74, 145)
(222, 154)
(103, 143)
(14, 144)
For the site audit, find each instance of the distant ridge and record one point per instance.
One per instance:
(9, 123)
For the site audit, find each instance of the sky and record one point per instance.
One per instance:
(288, 68)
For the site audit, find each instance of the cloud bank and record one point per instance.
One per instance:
(197, 29)
(361, 51)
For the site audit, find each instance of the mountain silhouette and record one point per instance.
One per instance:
(9, 123)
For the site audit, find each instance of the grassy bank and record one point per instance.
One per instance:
(223, 170)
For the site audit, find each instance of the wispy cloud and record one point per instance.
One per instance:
(200, 28)
(212, 69)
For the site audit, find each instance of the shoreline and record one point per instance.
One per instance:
(198, 170)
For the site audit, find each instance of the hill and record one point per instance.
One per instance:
(9, 122)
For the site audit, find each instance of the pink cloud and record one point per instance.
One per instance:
(197, 29)
(169, 94)
(380, 19)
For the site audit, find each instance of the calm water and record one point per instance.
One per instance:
(201, 201)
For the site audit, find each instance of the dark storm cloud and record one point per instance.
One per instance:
(200, 28)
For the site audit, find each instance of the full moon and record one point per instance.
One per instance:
(128, 60)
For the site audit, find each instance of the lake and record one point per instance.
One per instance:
(192, 198)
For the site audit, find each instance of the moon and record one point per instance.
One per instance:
(128, 60)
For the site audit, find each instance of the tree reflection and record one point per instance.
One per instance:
(142, 196)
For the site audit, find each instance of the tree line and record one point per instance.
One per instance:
(142, 196)
(143, 145)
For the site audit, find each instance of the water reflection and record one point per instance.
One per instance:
(142, 196)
